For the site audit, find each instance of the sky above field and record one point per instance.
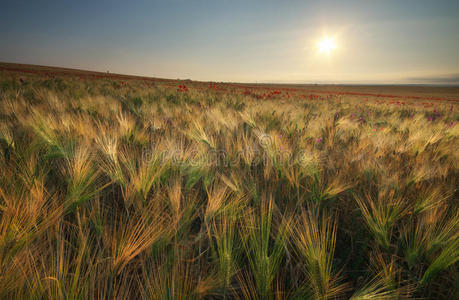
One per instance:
(400, 41)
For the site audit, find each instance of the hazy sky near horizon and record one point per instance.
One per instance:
(386, 41)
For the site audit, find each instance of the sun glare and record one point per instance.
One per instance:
(326, 45)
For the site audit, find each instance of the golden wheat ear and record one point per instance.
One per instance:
(315, 237)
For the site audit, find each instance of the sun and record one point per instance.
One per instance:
(326, 45)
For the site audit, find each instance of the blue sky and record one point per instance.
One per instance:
(404, 41)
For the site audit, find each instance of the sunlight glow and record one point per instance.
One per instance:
(326, 45)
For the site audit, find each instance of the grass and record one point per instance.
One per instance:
(114, 187)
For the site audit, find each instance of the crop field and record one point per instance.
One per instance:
(118, 187)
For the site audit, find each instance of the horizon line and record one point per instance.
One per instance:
(434, 83)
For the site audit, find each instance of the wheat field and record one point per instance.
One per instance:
(115, 188)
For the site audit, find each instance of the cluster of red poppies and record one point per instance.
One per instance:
(182, 88)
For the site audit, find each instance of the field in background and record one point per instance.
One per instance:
(116, 186)
(420, 92)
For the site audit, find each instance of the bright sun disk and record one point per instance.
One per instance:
(326, 45)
